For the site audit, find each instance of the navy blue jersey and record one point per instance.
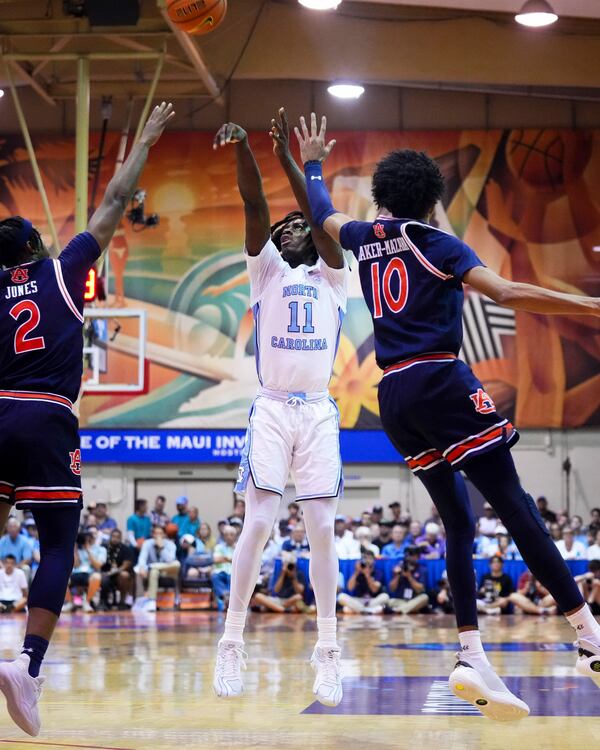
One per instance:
(411, 277)
(41, 319)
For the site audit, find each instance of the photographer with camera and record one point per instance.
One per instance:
(407, 585)
(589, 584)
(85, 578)
(289, 589)
(531, 597)
(495, 590)
(117, 572)
(365, 587)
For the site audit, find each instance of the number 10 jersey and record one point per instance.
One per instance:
(298, 315)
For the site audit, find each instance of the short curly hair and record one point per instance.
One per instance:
(11, 253)
(407, 183)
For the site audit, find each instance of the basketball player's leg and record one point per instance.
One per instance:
(495, 476)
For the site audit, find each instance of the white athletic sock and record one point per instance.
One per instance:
(327, 627)
(585, 625)
(234, 627)
(472, 648)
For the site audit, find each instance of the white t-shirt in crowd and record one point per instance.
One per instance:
(593, 552)
(347, 547)
(577, 551)
(487, 526)
(11, 586)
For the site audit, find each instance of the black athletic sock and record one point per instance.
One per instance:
(35, 647)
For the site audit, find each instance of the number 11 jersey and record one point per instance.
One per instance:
(298, 315)
(41, 319)
(411, 276)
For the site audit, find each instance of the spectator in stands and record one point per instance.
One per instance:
(488, 521)
(346, 546)
(501, 546)
(434, 517)
(191, 523)
(377, 514)
(189, 549)
(103, 520)
(569, 548)
(283, 531)
(548, 515)
(431, 542)
(32, 537)
(117, 572)
(158, 557)
(593, 551)
(382, 537)
(157, 514)
(397, 515)
(267, 566)
(221, 524)
(414, 532)
(139, 525)
(221, 575)
(441, 596)
(366, 594)
(288, 591)
(180, 518)
(13, 586)
(531, 597)
(297, 542)
(482, 544)
(294, 515)
(239, 510)
(15, 544)
(495, 589)
(594, 524)
(397, 547)
(577, 526)
(562, 519)
(206, 536)
(238, 525)
(590, 586)
(555, 532)
(364, 537)
(86, 577)
(407, 585)
(365, 519)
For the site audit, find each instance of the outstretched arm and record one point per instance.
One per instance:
(328, 249)
(258, 223)
(106, 218)
(529, 297)
(313, 151)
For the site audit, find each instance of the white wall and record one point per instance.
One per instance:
(538, 455)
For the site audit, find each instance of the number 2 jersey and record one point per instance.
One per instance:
(411, 276)
(298, 315)
(41, 319)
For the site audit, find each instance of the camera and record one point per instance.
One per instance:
(137, 214)
(291, 566)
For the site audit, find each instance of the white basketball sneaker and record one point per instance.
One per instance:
(479, 685)
(22, 693)
(231, 660)
(328, 678)
(588, 660)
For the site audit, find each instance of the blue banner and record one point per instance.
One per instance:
(211, 446)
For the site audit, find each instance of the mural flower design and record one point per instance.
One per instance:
(354, 383)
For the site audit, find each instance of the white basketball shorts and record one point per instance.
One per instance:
(293, 432)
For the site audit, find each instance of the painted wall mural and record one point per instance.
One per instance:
(528, 201)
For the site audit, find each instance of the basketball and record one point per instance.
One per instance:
(171, 530)
(197, 16)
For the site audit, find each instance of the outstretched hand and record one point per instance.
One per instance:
(312, 145)
(229, 133)
(157, 122)
(280, 134)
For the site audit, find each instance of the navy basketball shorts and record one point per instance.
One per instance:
(40, 459)
(436, 412)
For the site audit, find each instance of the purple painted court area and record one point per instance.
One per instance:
(426, 696)
(513, 646)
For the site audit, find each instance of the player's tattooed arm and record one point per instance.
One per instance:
(329, 250)
(256, 209)
(106, 218)
(529, 297)
(314, 150)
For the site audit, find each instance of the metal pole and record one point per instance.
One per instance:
(82, 144)
(32, 158)
(149, 98)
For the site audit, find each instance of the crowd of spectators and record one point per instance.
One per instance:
(384, 558)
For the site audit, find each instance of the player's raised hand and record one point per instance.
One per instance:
(312, 145)
(280, 134)
(157, 122)
(229, 133)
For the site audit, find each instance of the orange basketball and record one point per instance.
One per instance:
(197, 16)
(171, 530)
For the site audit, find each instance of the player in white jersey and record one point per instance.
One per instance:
(298, 283)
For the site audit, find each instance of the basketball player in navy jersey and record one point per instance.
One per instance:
(41, 363)
(432, 407)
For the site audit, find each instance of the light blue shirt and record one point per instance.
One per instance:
(150, 554)
(21, 548)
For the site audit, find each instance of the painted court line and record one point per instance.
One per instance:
(41, 743)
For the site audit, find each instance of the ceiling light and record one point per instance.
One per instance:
(346, 90)
(1, 93)
(536, 13)
(320, 4)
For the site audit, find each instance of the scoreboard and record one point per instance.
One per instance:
(91, 286)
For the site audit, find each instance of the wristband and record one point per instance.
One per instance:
(318, 196)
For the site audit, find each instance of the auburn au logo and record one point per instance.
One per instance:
(379, 230)
(19, 275)
(482, 402)
(75, 461)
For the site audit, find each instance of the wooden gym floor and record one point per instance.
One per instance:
(144, 681)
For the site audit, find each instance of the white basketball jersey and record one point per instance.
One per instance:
(298, 315)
